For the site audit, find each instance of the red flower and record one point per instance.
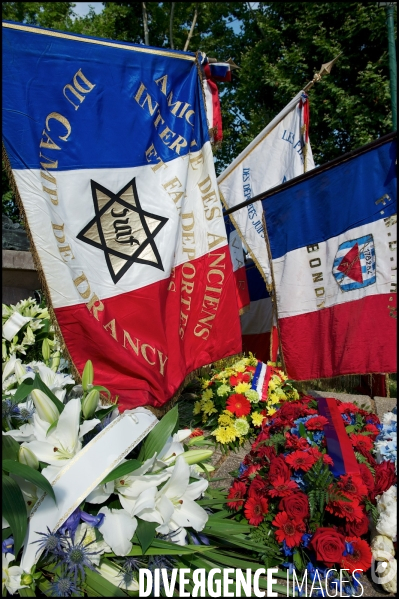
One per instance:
(371, 428)
(296, 505)
(361, 442)
(250, 369)
(237, 492)
(385, 477)
(265, 451)
(252, 468)
(302, 460)
(327, 460)
(294, 442)
(347, 407)
(255, 508)
(257, 488)
(361, 556)
(197, 432)
(281, 487)
(241, 377)
(238, 404)
(352, 484)
(350, 510)
(316, 424)
(278, 467)
(357, 528)
(329, 545)
(288, 530)
(367, 479)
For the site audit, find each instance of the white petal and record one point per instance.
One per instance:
(50, 472)
(88, 426)
(101, 493)
(181, 435)
(68, 425)
(191, 514)
(178, 482)
(195, 490)
(134, 486)
(46, 452)
(9, 367)
(145, 501)
(118, 529)
(25, 433)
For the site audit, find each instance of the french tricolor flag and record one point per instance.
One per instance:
(333, 243)
(108, 145)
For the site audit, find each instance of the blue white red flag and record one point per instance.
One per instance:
(238, 262)
(333, 246)
(256, 322)
(109, 148)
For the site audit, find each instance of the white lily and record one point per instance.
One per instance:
(118, 526)
(172, 448)
(54, 381)
(175, 505)
(11, 575)
(63, 442)
(129, 487)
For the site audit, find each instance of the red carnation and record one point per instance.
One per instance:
(237, 491)
(327, 460)
(241, 377)
(238, 404)
(197, 432)
(255, 508)
(361, 557)
(316, 424)
(301, 460)
(352, 484)
(288, 530)
(329, 545)
(265, 451)
(385, 477)
(294, 442)
(371, 428)
(361, 442)
(358, 527)
(350, 510)
(281, 487)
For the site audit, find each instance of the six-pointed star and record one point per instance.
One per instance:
(122, 229)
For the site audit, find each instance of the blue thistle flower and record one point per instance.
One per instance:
(53, 543)
(129, 568)
(9, 410)
(77, 556)
(26, 412)
(63, 586)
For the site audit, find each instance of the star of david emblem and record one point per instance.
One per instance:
(122, 229)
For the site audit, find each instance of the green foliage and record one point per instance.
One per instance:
(370, 507)
(318, 479)
(362, 460)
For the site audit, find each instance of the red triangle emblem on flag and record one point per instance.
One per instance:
(350, 265)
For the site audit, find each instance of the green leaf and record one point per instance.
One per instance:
(6, 533)
(101, 388)
(52, 427)
(101, 414)
(350, 428)
(14, 511)
(157, 438)
(29, 474)
(145, 533)
(10, 448)
(297, 560)
(28, 592)
(302, 430)
(94, 581)
(122, 470)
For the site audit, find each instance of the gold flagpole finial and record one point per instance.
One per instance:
(325, 70)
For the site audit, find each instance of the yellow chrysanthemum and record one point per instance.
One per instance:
(257, 418)
(205, 383)
(242, 387)
(273, 399)
(197, 408)
(208, 407)
(207, 394)
(225, 419)
(283, 375)
(225, 434)
(272, 385)
(223, 390)
(271, 410)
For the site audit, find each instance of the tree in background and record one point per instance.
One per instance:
(278, 47)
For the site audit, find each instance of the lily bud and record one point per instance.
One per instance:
(197, 455)
(27, 457)
(26, 579)
(55, 361)
(20, 371)
(46, 350)
(90, 403)
(46, 409)
(88, 375)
